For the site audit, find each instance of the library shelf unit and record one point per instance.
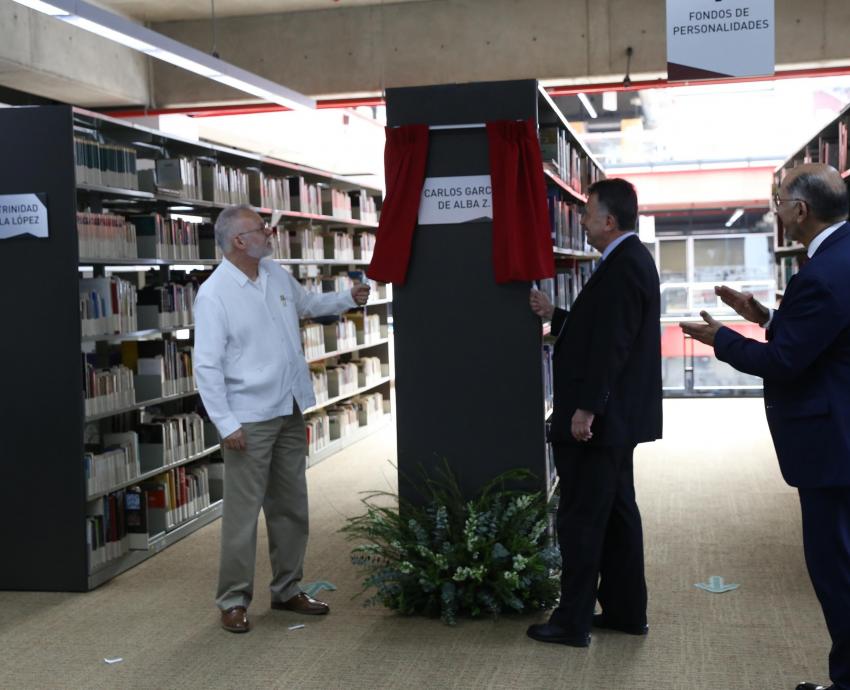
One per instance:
(96, 485)
(831, 145)
(453, 353)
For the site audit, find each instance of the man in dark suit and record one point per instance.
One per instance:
(607, 384)
(805, 364)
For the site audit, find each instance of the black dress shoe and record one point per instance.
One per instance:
(549, 632)
(814, 686)
(600, 621)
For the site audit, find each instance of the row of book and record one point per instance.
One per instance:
(156, 442)
(155, 236)
(107, 306)
(169, 305)
(343, 419)
(348, 416)
(106, 236)
(369, 327)
(105, 390)
(109, 165)
(177, 177)
(159, 237)
(365, 209)
(318, 431)
(334, 380)
(129, 518)
(202, 179)
(182, 177)
(563, 289)
(566, 159)
(163, 367)
(317, 339)
(339, 245)
(831, 149)
(565, 223)
(266, 191)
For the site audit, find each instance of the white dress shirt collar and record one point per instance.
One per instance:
(241, 277)
(616, 243)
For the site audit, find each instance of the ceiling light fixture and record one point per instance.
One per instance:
(738, 213)
(44, 7)
(609, 101)
(116, 28)
(588, 106)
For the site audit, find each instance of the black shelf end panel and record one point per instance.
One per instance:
(451, 104)
(469, 385)
(43, 489)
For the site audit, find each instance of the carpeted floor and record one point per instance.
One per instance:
(713, 504)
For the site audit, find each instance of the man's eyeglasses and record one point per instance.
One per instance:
(265, 229)
(777, 200)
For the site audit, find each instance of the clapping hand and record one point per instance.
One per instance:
(743, 303)
(360, 294)
(704, 332)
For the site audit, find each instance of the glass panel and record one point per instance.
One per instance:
(733, 258)
(704, 298)
(673, 260)
(674, 300)
(720, 259)
(709, 372)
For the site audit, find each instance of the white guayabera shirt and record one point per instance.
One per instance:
(248, 359)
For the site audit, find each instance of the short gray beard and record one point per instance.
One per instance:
(259, 252)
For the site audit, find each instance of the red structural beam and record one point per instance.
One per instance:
(554, 91)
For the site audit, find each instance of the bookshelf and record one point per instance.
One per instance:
(471, 361)
(831, 145)
(109, 457)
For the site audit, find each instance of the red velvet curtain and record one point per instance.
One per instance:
(405, 155)
(522, 242)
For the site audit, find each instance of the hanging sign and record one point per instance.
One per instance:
(23, 214)
(449, 200)
(710, 39)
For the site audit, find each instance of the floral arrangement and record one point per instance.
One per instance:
(454, 557)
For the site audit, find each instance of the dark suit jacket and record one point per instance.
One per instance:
(607, 357)
(806, 368)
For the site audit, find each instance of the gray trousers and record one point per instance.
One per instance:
(268, 474)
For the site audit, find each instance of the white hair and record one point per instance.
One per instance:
(227, 225)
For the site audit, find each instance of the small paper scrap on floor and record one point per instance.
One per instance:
(296, 627)
(716, 585)
(113, 660)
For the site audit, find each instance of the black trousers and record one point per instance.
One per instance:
(826, 543)
(601, 538)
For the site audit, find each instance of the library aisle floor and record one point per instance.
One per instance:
(713, 504)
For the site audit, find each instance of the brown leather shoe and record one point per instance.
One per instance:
(302, 603)
(235, 619)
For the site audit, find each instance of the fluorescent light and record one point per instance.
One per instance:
(128, 33)
(181, 208)
(738, 213)
(180, 61)
(106, 32)
(585, 101)
(609, 100)
(44, 7)
(242, 85)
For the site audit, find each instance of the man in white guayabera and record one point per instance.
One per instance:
(254, 382)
